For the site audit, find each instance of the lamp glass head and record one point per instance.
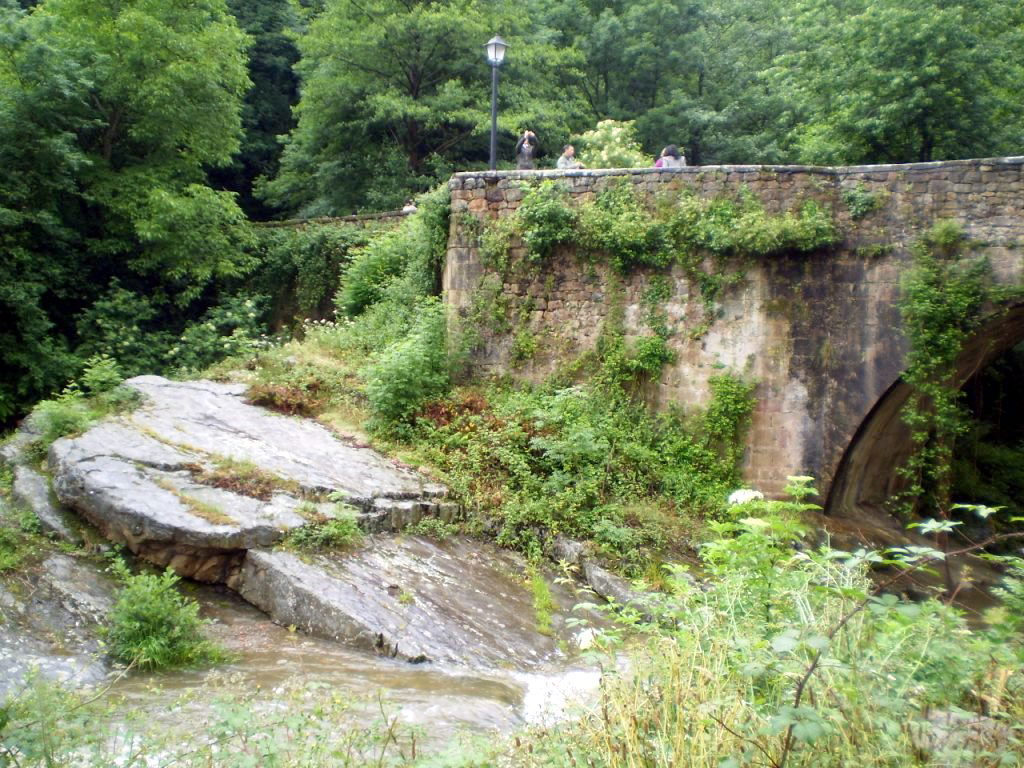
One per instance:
(496, 50)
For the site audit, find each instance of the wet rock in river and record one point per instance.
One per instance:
(408, 597)
(49, 623)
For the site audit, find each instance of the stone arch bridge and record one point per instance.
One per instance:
(820, 333)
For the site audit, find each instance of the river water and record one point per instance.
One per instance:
(441, 701)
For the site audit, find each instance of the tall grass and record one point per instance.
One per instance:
(716, 682)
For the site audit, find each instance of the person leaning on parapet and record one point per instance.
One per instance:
(567, 160)
(526, 151)
(670, 158)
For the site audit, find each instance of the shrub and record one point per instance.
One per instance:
(411, 371)
(102, 374)
(786, 657)
(153, 626)
(233, 327)
(402, 266)
(612, 144)
(545, 219)
(301, 266)
(434, 528)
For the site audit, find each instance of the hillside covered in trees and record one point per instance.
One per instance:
(139, 138)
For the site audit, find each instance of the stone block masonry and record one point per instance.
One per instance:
(820, 333)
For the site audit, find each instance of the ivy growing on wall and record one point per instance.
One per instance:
(941, 305)
(709, 238)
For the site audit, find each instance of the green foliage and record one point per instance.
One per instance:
(941, 302)
(153, 626)
(101, 374)
(524, 345)
(341, 531)
(918, 80)
(612, 144)
(385, 114)
(586, 461)
(861, 201)
(618, 224)
(232, 327)
(110, 115)
(267, 112)
(544, 219)
(309, 260)
(10, 549)
(434, 528)
(543, 602)
(397, 268)
(792, 657)
(410, 371)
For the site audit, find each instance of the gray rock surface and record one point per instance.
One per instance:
(215, 419)
(48, 620)
(409, 597)
(135, 477)
(32, 489)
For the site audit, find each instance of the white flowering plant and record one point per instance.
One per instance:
(612, 144)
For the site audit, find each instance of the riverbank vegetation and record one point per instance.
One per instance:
(137, 138)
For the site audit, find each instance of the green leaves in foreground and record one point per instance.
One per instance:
(154, 626)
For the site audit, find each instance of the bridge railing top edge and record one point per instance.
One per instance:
(355, 218)
(834, 171)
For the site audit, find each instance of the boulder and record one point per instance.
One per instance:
(143, 478)
(461, 601)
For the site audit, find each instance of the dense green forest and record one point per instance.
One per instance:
(139, 138)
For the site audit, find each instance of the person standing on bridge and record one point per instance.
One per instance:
(670, 158)
(526, 151)
(567, 160)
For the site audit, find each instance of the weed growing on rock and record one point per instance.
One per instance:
(242, 477)
(434, 528)
(153, 626)
(861, 201)
(80, 405)
(543, 602)
(339, 532)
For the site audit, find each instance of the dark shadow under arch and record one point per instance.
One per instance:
(867, 477)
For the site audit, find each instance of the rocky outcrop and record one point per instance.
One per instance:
(409, 598)
(200, 481)
(144, 478)
(32, 490)
(49, 623)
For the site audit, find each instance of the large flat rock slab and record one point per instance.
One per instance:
(461, 601)
(144, 480)
(214, 418)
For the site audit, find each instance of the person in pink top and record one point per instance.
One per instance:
(670, 158)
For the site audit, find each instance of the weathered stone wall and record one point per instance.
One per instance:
(820, 333)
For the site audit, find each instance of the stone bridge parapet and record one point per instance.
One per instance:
(820, 333)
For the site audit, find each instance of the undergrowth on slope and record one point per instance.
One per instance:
(153, 626)
(790, 657)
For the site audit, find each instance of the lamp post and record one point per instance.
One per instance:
(495, 55)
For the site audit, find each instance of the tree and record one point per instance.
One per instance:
(395, 93)
(268, 104)
(903, 80)
(110, 113)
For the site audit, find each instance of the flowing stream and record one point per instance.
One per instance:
(443, 701)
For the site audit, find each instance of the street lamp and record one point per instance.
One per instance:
(495, 55)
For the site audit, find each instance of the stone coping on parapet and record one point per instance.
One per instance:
(458, 180)
(356, 218)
